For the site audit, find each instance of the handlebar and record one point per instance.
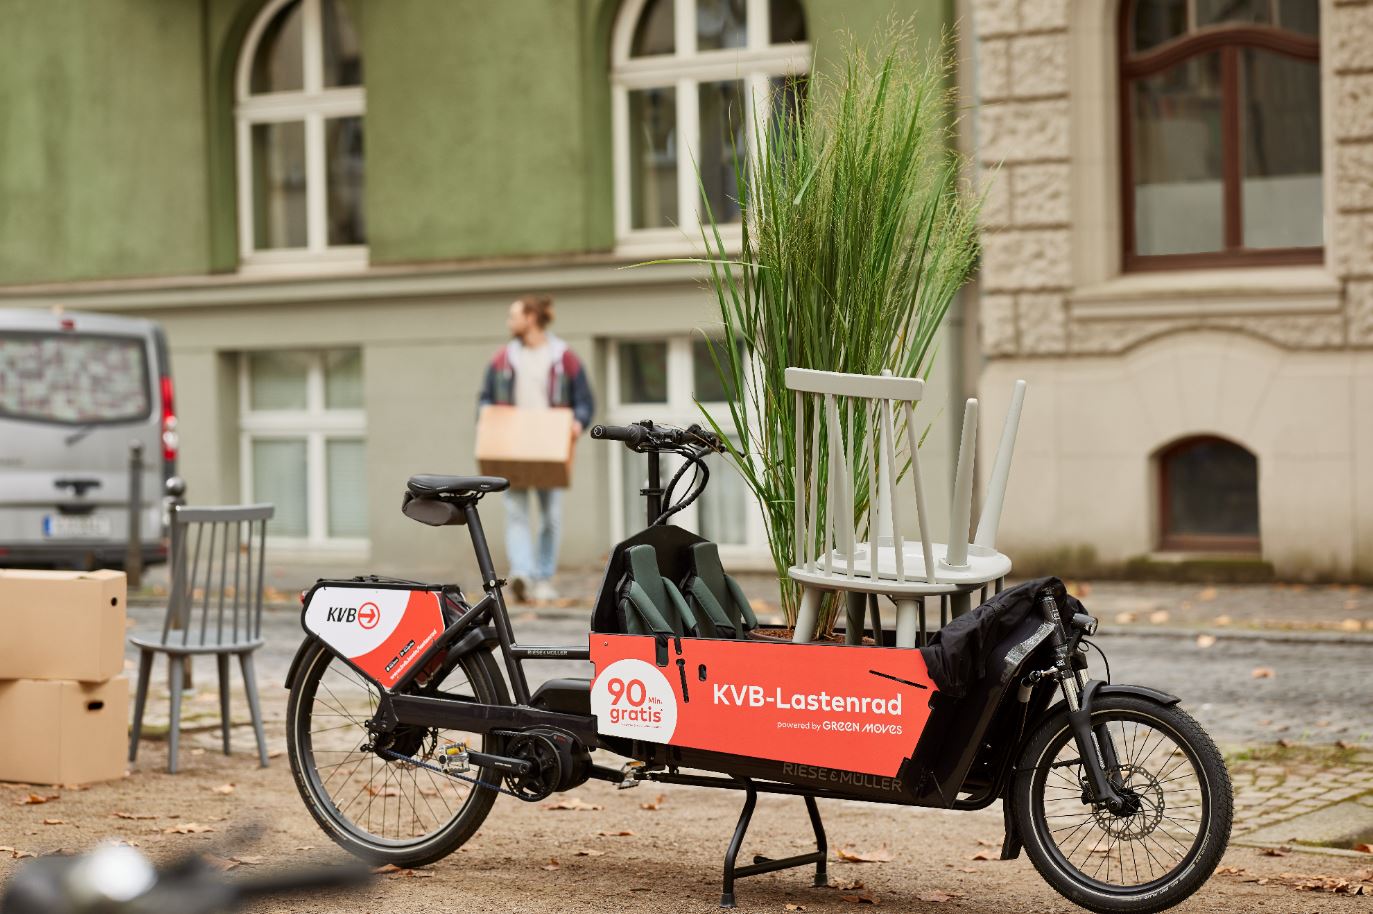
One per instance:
(645, 436)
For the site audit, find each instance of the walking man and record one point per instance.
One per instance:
(536, 370)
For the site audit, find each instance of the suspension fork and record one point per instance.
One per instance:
(1094, 744)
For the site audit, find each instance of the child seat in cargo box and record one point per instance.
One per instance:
(722, 608)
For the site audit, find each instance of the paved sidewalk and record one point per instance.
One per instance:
(1341, 610)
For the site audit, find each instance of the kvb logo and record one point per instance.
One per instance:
(367, 615)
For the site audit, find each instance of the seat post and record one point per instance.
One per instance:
(479, 545)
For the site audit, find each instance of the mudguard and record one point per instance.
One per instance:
(1095, 689)
(483, 637)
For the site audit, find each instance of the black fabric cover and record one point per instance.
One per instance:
(961, 653)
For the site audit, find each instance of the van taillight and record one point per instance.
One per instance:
(170, 438)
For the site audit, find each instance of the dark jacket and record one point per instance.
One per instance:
(567, 383)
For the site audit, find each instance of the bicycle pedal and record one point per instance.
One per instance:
(453, 758)
(629, 775)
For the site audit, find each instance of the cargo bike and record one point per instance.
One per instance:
(402, 730)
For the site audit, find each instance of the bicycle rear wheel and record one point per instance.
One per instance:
(384, 810)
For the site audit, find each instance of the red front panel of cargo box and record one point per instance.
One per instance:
(852, 708)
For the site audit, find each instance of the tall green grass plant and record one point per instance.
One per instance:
(857, 234)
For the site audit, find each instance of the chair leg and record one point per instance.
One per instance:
(855, 606)
(176, 664)
(224, 721)
(140, 701)
(907, 622)
(245, 661)
(808, 616)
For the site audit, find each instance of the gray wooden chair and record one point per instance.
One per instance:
(214, 607)
(860, 419)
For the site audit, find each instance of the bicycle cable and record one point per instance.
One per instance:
(695, 461)
(1104, 660)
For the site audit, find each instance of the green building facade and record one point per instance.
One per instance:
(330, 204)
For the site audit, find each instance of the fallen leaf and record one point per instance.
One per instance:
(1124, 618)
(966, 869)
(223, 864)
(552, 864)
(587, 852)
(1230, 870)
(1222, 620)
(626, 833)
(844, 885)
(1207, 594)
(796, 907)
(278, 753)
(573, 803)
(864, 898)
(249, 859)
(939, 897)
(15, 853)
(980, 855)
(1158, 617)
(655, 804)
(1275, 851)
(1285, 743)
(391, 871)
(36, 799)
(986, 842)
(1262, 672)
(1205, 641)
(225, 789)
(881, 855)
(54, 822)
(382, 791)
(187, 828)
(132, 815)
(1364, 848)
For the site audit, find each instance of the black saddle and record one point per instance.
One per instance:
(429, 486)
(440, 500)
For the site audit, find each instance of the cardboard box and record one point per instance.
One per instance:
(530, 447)
(63, 732)
(61, 624)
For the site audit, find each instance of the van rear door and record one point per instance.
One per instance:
(73, 396)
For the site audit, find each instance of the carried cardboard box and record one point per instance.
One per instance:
(63, 732)
(530, 447)
(61, 624)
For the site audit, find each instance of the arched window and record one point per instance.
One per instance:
(300, 104)
(1221, 132)
(685, 75)
(1208, 496)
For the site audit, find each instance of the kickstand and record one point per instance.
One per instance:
(766, 864)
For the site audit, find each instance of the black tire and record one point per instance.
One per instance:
(1181, 779)
(443, 813)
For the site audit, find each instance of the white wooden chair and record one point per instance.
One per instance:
(857, 417)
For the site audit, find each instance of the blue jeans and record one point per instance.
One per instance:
(519, 542)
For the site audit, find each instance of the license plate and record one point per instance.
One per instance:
(76, 526)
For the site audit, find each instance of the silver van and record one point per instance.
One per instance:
(75, 390)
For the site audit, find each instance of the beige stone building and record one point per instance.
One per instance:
(1179, 257)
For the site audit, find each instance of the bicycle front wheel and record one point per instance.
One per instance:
(380, 809)
(1176, 827)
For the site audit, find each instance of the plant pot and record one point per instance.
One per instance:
(784, 634)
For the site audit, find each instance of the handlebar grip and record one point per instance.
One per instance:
(629, 434)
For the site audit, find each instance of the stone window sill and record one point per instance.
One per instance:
(1184, 293)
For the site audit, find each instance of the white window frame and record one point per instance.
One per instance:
(680, 410)
(685, 70)
(317, 425)
(313, 104)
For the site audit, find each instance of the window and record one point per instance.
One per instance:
(71, 379)
(660, 379)
(1221, 132)
(685, 77)
(303, 443)
(1208, 496)
(300, 139)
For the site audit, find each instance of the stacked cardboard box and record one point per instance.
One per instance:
(64, 707)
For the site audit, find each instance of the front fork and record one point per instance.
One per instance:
(1094, 744)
